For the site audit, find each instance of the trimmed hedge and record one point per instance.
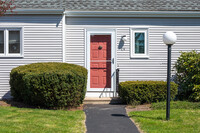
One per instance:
(139, 92)
(49, 85)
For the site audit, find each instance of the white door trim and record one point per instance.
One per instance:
(101, 31)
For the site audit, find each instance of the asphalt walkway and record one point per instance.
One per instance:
(108, 119)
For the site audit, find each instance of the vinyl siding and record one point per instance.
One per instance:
(42, 43)
(153, 68)
(75, 46)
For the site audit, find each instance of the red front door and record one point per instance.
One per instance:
(100, 61)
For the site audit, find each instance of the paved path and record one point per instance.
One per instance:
(108, 119)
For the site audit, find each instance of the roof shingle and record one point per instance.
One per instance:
(111, 5)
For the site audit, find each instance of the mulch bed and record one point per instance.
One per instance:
(9, 103)
(129, 108)
(145, 107)
(4, 104)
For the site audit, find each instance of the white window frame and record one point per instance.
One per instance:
(132, 49)
(6, 42)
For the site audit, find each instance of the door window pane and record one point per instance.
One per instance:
(14, 41)
(139, 43)
(1, 42)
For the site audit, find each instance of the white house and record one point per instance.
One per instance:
(101, 35)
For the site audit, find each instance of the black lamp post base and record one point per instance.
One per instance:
(168, 82)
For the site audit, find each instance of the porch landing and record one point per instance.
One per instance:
(104, 100)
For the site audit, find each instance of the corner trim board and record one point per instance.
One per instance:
(63, 37)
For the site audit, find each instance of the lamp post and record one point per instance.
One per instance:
(169, 38)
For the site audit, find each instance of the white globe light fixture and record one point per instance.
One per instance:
(169, 38)
(124, 38)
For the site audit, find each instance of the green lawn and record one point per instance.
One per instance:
(25, 120)
(176, 105)
(185, 118)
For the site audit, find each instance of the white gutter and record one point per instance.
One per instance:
(132, 14)
(109, 13)
(36, 11)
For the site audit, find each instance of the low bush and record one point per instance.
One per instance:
(49, 85)
(188, 76)
(195, 96)
(139, 92)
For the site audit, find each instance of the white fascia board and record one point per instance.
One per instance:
(36, 11)
(190, 14)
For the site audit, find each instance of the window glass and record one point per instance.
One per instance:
(1, 41)
(139, 43)
(14, 41)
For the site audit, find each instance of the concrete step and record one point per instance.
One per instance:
(105, 100)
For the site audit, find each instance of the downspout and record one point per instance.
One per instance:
(63, 36)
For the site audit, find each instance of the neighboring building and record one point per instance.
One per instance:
(90, 33)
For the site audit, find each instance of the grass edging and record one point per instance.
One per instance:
(84, 122)
(136, 124)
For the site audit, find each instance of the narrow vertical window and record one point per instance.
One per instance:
(1, 42)
(14, 42)
(139, 43)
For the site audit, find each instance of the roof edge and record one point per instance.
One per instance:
(132, 14)
(36, 11)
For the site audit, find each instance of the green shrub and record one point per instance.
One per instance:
(188, 76)
(49, 85)
(139, 92)
(195, 96)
